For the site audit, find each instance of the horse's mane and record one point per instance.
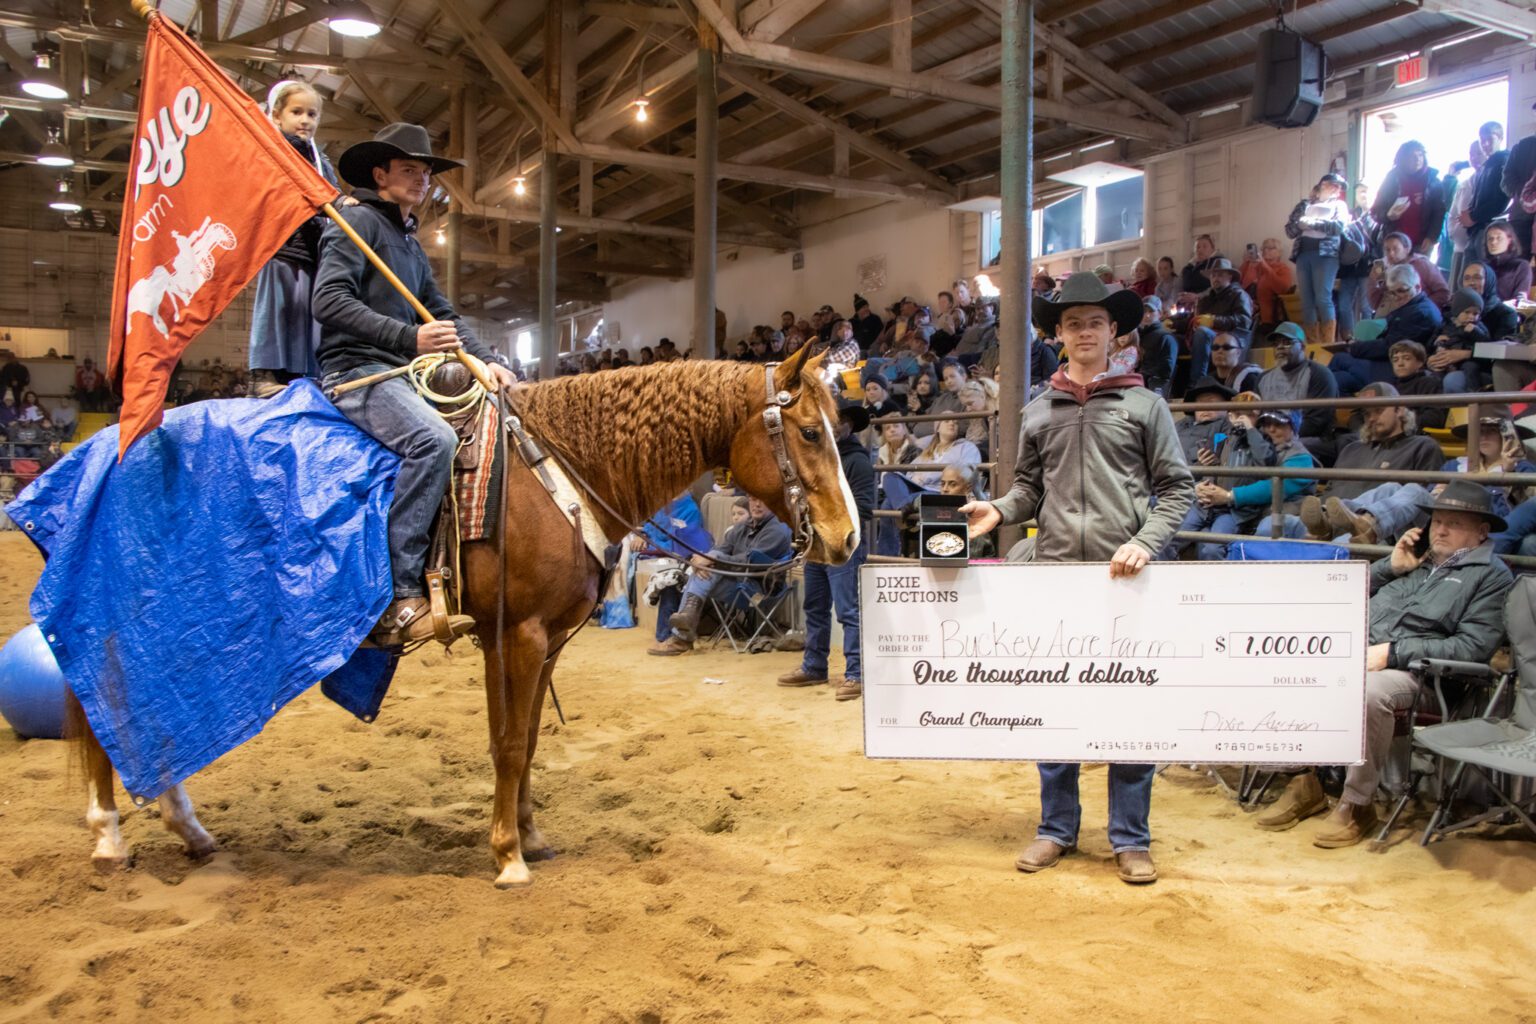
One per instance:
(641, 435)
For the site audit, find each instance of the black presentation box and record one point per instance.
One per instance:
(943, 534)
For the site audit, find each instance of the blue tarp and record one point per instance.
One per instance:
(235, 557)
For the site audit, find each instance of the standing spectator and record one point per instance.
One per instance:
(14, 377)
(1400, 254)
(1316, 225)
(1143, 277)
(1511, 269)
(1159, 348)
(1464, 174)
(1519, 171)
(1455, 346)
(1411, 316)
(1352, 276)
(829, 587)
(1410, 199)
(866, 324)
(90, 387)
(1168, 283)
(1266, 277)
(1193, 279)
(1294, 377)
(1488, 200)
(1100, 470)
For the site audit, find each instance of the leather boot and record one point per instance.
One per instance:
(1314, 518)
(264, 384)
(671, 647)
(1328, 331)
(1041, 854)
(800, 677)
(1302, 798)
(1346, 826)
(1135, 867)
(408, 620)
(685, 621)
(1361, 526)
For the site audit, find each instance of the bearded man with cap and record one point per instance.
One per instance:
(368, 327)
(1447, 603)
(1100, 470)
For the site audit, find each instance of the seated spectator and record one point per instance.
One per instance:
(1144, 277)
(1159, 349)
(867, 324)
(1266, 278)
(670, 533)
(964, 481)
(1452, 354)
(980, 334)
(1193, 279)
(1106, 273)
(1294, 377)
(666, 351)
(1224, 309)
(1232, 505)
(1446, 604)
(899, 447)
(8, 410)
(1505, 255)
(922, 389)
(14, 376)
(1388, 441)
(909, 357)
(1399, 253)
(1168, 284)
(1200, 432)
(947, 447)
(1124, 352)
(979, 396)
(948, 324)
(877, 397)
(952, 377)
(786, 321)
(1410, 316)
(647, 355)
(1229, 366)
(1411, 377)
(894, 489)
(1501, 320)
(1042, 284)
(31, 410)
(743, 353)
(761, 536)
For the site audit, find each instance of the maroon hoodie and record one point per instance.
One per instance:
(1081, 393)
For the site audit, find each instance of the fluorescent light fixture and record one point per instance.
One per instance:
(1095, 175)
(44, 80)
(353, 18)
(54, 153)
(64, 199)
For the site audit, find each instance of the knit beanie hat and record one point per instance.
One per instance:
(1465, 299)
(878, 378)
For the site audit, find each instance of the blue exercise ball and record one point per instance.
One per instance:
(32, 688)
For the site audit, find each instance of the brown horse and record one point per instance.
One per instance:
(638, 437)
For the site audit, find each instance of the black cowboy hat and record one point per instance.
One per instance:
(1123, 305)
(1495, 412)
(1208, 385)
(857, 417)
(1465, 496)
(397, 141)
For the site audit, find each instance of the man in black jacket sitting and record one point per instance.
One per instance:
(367, 327)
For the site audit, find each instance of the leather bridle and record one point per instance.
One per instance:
(794, 491)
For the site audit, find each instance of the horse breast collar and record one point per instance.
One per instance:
(794, 490)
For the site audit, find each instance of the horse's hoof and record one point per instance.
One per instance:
(514, 876)
(536, 853)
(111, 865)
(201, 851)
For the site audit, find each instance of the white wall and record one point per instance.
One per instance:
(921, 246)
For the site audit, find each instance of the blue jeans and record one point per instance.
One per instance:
(1314, 282)
(393, 414)
(728, 591)
(1393, 506)
(1468, 376)
(1200, 339)
(1350, 291)
(1290, 527)
(1354, 373)
(1130, 805)
(897, 491)
(667, 602)
(828, 587)
(1519, 536)
(1205, 520)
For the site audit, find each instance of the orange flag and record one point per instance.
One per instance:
(215, 191)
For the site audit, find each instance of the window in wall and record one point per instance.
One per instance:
(525, 346)
(1445, 123)
(1108, 208)
(991, 237)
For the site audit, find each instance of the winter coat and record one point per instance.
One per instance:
(767, 538)
(1517, 171)
(1513, 274)
(860, 474)
(1430, 279)
(1413, 452)
(1424, 382)
(1324, 240)
(1488, 199)
(1091, 461)
(1455, 612)
(1232, 309)
(1159, 356)
(1431, 216)
(1418, 320)
(1501, 320)
(363, 319)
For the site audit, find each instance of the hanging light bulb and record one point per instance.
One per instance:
(642, 115)
(54, 153)
(64, 198)
(442, 239)
(353, 18)
(519, 186)
(44, 80)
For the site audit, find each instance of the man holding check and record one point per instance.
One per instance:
(1094, 451)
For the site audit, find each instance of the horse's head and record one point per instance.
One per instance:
(794, 419)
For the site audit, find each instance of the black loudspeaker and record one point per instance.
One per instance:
(1289, 75)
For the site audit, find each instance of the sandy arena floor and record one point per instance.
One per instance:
(727, 855)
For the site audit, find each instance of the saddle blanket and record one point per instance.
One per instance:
(237, 555)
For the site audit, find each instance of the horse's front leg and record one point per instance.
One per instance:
(535, 846)
(111, 852)
(510, 703)
(180, 819)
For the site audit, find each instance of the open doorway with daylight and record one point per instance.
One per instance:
(1445, 122)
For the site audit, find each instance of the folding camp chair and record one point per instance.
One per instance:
(1498, 752)
(748, 621)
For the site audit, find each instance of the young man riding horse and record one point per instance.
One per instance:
(367, 327)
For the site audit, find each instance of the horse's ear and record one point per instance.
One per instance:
(787, 376)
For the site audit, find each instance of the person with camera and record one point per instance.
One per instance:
(1316, 227)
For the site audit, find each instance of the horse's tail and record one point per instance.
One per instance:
(78, 733)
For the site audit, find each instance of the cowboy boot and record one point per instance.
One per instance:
(1346, 826)
(408, 620)
(671, 647)
(685, 621)
(264, 384)
(1302, 798)
(1314, 518)
(1361, 526)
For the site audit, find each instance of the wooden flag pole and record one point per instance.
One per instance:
(481, 373)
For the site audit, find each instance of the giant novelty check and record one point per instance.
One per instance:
(1187, 661)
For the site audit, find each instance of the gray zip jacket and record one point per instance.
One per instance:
(1090, 462)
